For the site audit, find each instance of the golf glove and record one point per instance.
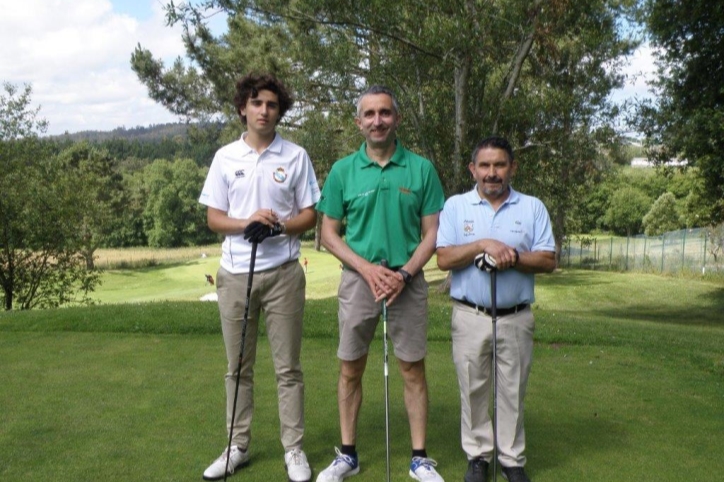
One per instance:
(485, 262)
(256, 232)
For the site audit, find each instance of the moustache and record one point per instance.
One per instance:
(494, 179)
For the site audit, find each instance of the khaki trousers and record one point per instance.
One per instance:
(472, 333)
(279, 292)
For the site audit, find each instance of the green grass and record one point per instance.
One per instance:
(627, 384)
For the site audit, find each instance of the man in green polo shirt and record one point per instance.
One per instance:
(391, 199)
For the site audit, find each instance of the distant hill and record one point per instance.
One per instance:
(151, 133)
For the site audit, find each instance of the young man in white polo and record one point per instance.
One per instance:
(262, 188)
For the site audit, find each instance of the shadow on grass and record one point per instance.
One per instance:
(636, 297)
(555, 442)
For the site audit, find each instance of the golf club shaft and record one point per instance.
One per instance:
(241, 353)
(387, 378)
(494, 317)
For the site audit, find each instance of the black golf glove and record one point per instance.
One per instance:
(256, 232)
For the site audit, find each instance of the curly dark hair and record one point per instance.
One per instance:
(248, 87)
(495, 143)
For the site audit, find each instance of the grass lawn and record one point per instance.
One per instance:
(627, 383)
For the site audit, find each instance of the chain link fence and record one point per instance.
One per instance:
(687, 250)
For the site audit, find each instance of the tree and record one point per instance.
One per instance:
(97, 193)
(687, 120)
(537, 72)
(40, 256)
(173, 216)
(626, 210)
(662, 217)
(715, 237)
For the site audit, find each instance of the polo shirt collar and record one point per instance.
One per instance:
(275, 146)
(397, 158)
(472, 197)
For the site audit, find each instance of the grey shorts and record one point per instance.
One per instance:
(359, 316)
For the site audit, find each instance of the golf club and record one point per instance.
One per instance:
(485, 262)
(241, 353)
(494, 317)
(387, 378)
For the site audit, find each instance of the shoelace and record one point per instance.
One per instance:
(426, 463)
(230, 467)
(349, 460)
(296, 457)
(478, 464)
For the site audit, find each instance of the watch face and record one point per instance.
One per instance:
(406, 276)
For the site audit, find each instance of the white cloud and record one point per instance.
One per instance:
(640, 70)
(76, 54)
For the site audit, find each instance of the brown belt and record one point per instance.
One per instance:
(498, 311)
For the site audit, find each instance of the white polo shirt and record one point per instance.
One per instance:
(241, 181)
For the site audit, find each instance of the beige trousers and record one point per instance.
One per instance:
(279, 292)
(472, 353)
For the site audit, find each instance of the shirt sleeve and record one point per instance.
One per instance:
(331, 200)
(544, 240)
(307, 189)
(434, 197)
(446, 229)
(215, 192)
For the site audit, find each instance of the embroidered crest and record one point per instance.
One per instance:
(239, 173)
(280, 175)
(468, 228)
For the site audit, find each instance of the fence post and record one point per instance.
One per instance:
(595, 253)
(705, 240)
(569, 253)
(683, 251)
(663, 243)
(610, 255)
(643, 260)
(628, 239)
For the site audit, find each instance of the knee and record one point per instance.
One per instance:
(413, 372)
(351, 372)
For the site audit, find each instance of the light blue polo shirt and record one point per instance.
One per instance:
(521, 222)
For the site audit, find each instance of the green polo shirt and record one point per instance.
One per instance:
(383, 205)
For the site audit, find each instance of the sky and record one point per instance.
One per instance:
(76, 56)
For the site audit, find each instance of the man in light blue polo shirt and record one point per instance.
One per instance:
(515, 230)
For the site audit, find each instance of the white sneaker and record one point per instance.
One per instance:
(237, 459)
(423, 469)
(343, 466)
(297, 466)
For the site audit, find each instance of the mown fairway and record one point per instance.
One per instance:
(627, 383)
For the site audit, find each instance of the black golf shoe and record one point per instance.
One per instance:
(477, 470)
(515, 474)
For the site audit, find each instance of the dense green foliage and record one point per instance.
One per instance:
(687, 121)
(537, 72)
(41, 215)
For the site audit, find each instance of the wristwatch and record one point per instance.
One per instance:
(407, 277)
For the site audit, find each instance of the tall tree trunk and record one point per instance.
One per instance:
(462, 73)
(318, 233)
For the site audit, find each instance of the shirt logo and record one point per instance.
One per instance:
(280, 175)
(404, 190)
(468, 229)
(239, 173)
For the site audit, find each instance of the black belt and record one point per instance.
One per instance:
(498, 311)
